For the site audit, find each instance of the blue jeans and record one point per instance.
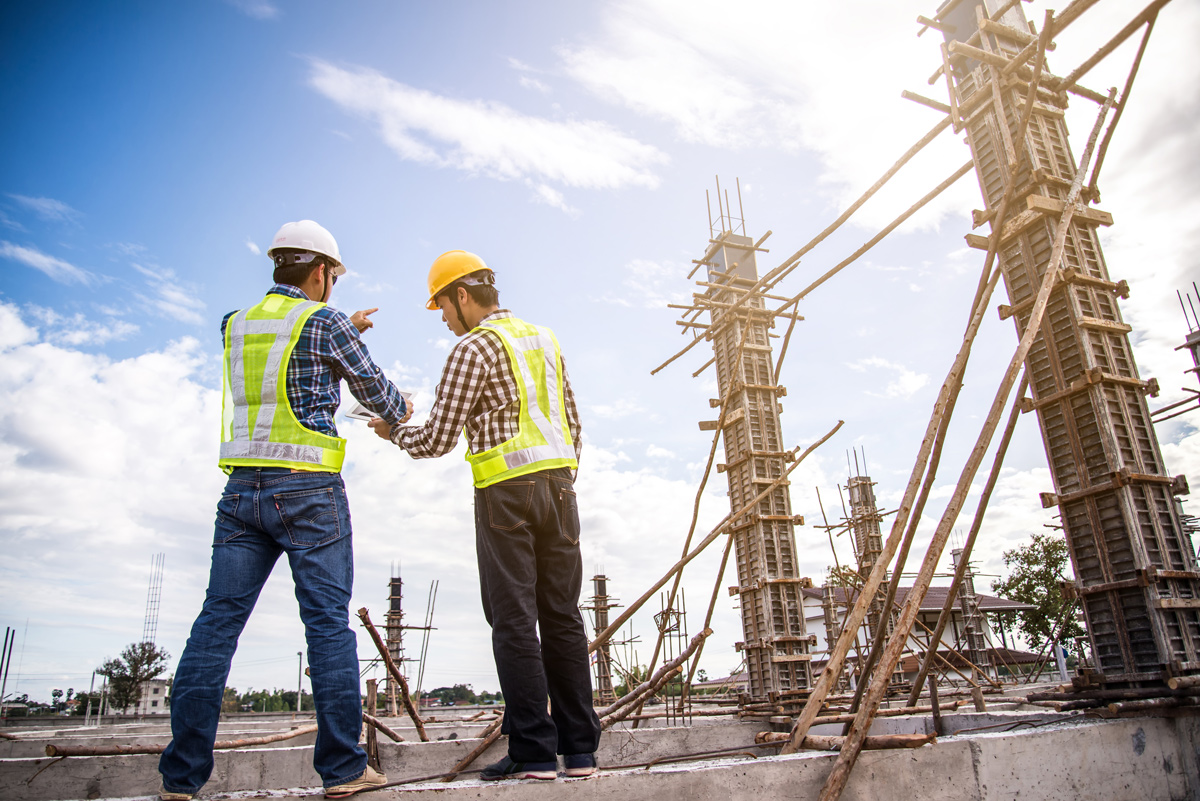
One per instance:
(264, 513)
(530, 574)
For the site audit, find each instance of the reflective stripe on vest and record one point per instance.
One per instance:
(259, 427)
(543, 439)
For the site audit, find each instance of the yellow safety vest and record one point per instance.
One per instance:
(258, 426)
(543, 439)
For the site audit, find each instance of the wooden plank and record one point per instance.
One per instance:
(1177, 603)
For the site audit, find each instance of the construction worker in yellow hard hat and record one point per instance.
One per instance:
(505, 385)
(285, 357)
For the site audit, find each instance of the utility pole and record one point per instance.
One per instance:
(299, 677)
(88, 714)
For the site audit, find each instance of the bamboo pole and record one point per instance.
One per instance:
(976, 524)
(394, 672)
(376, 723)
(222, 745)
(603, 636)
(836, 781)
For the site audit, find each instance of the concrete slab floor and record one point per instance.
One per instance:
(1041, 756)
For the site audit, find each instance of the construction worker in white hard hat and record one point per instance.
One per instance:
(284, 359)
(505, 385)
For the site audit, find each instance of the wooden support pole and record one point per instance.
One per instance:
(1147, 15)
(394, 672)
(376, 723)
(817, 742)
(1182, 682)
(490, 735)
(221, 745)
(631, 702)
(1093, 191)
(937, 710)
(943, 620)
(836, 781)
(369, 716)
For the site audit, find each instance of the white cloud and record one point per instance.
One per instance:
(78, 330)
(56, 269)
(253, 248)
(655, 452)
(651, 285)
(533, 83)
(256, 9)
(552, 197)
(906, 383)
(13, 330)
(615, 411)
(172, 298)
(489, 138)
(48, 208)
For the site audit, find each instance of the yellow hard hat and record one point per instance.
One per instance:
(449, 267)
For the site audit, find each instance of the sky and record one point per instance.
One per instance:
(151, 150)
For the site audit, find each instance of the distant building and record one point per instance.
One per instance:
(953, 640)
(153, 700)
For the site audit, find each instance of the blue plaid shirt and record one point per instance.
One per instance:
(329, 350)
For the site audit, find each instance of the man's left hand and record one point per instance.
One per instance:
(381, 427)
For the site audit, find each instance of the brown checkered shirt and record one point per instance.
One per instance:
(479, 392)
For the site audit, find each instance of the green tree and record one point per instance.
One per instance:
(1036, 571)
(56, 694)
(83, 698)
(459, 693)
(138, 663)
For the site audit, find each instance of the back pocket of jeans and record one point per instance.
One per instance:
(508, 504)
(228, 526)
(310, 516)
(568, 511)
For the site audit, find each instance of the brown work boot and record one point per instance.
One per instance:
(167, 795)
(370, 780)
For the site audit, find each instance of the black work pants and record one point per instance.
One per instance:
(530, 575)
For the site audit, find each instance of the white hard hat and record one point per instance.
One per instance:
(308, 235)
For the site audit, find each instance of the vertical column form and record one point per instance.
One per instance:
(1134, 563)
(868, 544)
(833, 630)
(864, 523)
(602, 660)
(975, 645)
(394, 630)
(776, 644)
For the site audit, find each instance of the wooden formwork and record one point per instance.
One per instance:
(776, 644)
(1134, 562)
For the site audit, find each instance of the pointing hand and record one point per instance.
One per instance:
(359, 318)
